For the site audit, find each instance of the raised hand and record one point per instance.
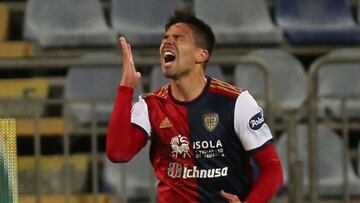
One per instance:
(230, 197)
(130, 77)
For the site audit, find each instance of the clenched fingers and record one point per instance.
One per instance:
(230, 197)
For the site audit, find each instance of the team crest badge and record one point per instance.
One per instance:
(210, 121)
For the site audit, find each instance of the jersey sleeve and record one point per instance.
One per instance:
(140, 116)
(249, 122)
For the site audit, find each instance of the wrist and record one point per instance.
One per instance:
(126, 88)
(125, 91)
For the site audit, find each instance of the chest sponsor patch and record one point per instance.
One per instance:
(256, 121)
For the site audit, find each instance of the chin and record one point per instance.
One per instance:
(168, 75)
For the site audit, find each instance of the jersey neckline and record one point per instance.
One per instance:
(203, 92)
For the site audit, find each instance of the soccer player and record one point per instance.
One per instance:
(203, 132)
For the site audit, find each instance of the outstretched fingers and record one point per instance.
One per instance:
(130, 52)
(126, 51)
(130, 77)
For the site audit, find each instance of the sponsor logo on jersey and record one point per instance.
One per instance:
(256, 121)
(180, 146)
(210, 121)
(177, 170)
(207, 144)
(208, 149)
(165, 123)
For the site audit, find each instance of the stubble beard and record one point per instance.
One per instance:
(177, 74)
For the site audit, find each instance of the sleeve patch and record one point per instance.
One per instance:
(256, 121)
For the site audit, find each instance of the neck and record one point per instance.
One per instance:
(188, 88)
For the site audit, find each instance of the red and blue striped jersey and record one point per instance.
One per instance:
(202, 146)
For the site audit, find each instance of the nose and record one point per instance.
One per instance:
(170, 38)
(167, 41)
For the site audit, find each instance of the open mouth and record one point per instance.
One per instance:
(169, 56)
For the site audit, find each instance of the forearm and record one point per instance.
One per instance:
(270, 178)
(123, 140)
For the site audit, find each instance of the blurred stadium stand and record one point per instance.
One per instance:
(358, 160)
(138, 184)
(15, 49)
(156, 78)
(283, 69)
(66, 23)
(142, 22)
(97, 85)
(47, 126)
(330, 169)
(4, 22)
(346, 84)
(317, 22)
(80, 198)
(70, 46)
(53, 167)
(22, 89)
(234, 22)
(10, 49)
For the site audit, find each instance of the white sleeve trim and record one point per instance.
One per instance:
(140, 115)
(249, 122)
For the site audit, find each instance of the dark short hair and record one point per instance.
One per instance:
(204, 36)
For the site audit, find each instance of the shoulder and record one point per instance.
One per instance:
(226, 89)
(246, 106)
(162, 92)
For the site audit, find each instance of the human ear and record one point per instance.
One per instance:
(203, 56)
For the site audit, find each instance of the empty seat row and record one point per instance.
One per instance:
(26, 89)
(317, 22)
(234, 22)
(330, 167)
(84, 84)
(289, 90)
(10, 49)
(4, 22)
(65, 23)
(288, 85)
(288, 81)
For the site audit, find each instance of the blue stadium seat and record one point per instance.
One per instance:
(93, 83)
(67, 23)
(239, 21)
(317, 22)
(142, 22)
(329, 165)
